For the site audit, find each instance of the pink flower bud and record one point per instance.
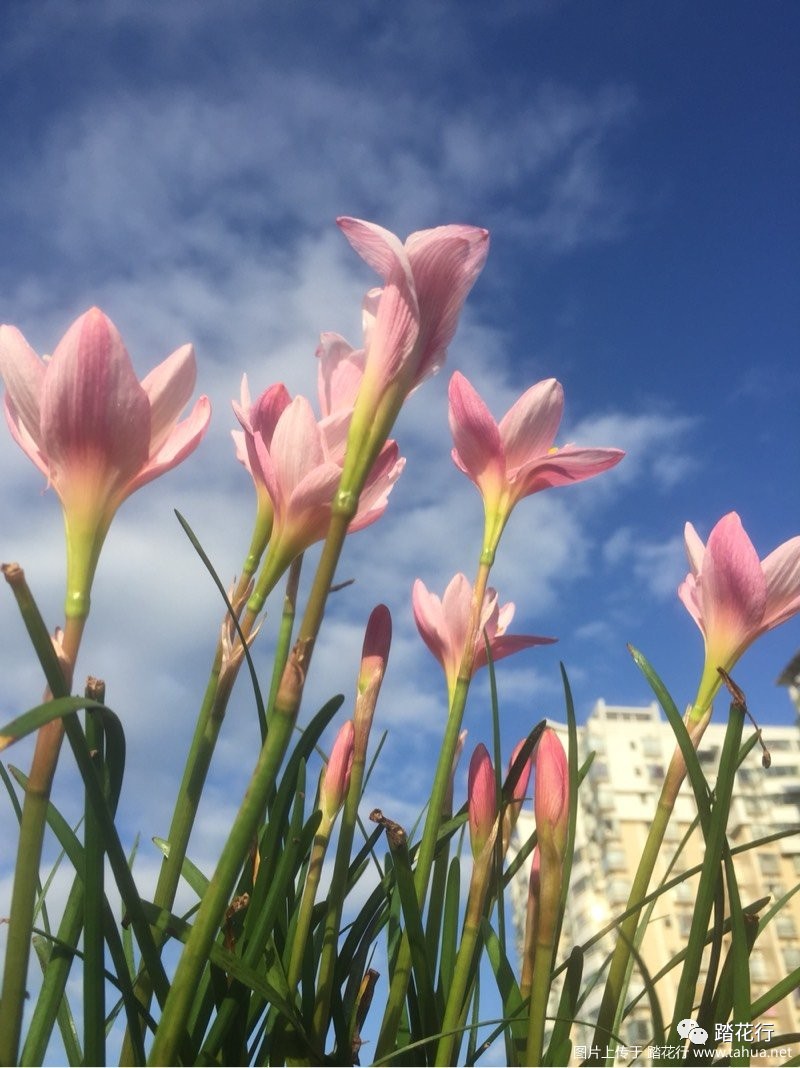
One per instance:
(551, 792)
(481, 798)
(335, 777)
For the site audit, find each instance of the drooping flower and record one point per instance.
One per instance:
(733, 596)
(408, 322)
(94, 430)
(481, 799)
(516, 457)
(443, 624)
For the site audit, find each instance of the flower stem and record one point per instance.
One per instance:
(34, 817)
(287, 702)
(613, 993)
(463, 971)
(428, 843)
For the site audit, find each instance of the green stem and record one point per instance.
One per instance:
(284, 641)
(547, 914)
(709, 877)
(94, 991)
(427, 847)
(616, 981)
(287, 702)
(306, 908)
(198, 761)
(34, 814)
(463, 971)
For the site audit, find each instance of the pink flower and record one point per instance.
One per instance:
(733, 596)
(293, 465)
(339, 374)
(335, 778)
(259, 418)
(551, 793)
(443, 625)
(517, 457)
(409, 322)
(94, 430)
(481, 799)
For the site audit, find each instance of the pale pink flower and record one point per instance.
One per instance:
(481, 798)
(335, 778)
(426, 281)
(94, 430)
(733, 596)
(260, 418)
(516, 457)
(289, 457)
(551, 793)
(339, 374)
(408, 322)
(443, 624)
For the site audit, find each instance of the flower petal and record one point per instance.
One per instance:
(23, 373)
(529, 427)
(339, 373)
(782, 573)
(733, 590)
(445, 262)
(182, 441)
(95, 417)
(560, 468)
(478, 449)
(169, 388)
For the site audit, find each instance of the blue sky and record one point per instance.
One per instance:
(181, 165)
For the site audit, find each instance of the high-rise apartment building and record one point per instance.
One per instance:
(616, 803)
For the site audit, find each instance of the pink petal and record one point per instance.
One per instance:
(566, 465)
(378, 247)
(695, 549)
(505, 645)
(23, 373)
(529, 427)
(431, 624)
(456, 607)
(182, 441)
(478, 450)
(296, 447)
(782, 573)
(445, 262)
(689, 593)
(94, 414)
(340, 370)
(308, 508)
(375, 496)
(169, 388)
(23, 438)
(733, 589)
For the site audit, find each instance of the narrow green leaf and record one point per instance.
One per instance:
(198, 548)
(30, 722)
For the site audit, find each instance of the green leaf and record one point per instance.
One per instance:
(30, 722)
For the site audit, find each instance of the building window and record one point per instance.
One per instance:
(785, 927)
(769, 864)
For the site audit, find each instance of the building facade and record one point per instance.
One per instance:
(616, 802)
